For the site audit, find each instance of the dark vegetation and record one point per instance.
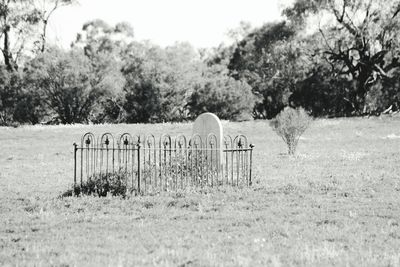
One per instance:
(103, 184)
(346, 64)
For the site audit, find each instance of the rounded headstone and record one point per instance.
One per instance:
(206, 124)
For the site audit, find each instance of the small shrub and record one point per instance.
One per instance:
(104, 184)
(290, 124)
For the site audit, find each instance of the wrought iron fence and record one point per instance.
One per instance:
(165, 164)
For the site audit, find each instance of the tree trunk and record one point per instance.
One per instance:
(8, 60)
(43, 47)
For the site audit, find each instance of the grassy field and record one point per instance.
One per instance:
(337, 202)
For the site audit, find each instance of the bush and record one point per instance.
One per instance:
(9, 95)
(142, 101)
(324, 95)
(290, 124)
(104, 184)
(222, 95)
(65, 83)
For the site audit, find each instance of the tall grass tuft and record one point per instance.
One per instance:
(290, 124)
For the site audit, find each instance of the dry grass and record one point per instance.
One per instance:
(335, 203)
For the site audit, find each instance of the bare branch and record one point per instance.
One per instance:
(381, 71)
(396, 12)
(367, 13)
(325, 39)
(339, 15)
(351, 27)
(350, 102)
(46, 18)
(394, 64)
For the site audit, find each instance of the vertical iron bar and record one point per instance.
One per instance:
(207, 162)
(232, 165)
(226, 163)
(186, 165)
(175, 167)
(107, 159)
(112, 159)
(251, 163)
(211, 167)
(81, 165)
(101, 158)
(246, 165)
(87, 163)
(160, 164)
(144, 167)
(242, 165)
(191, 167)
(155, 165)
(182, 166)
(218, 163)
(176, 157)
(126, 158)
(170, 165)
(165, 168)
(196, 167)
(149, 166)
(94, 157)
(133, 166)
(120, 147)
(120, 156)
(138, 161)
(75, 150)
(237, 166)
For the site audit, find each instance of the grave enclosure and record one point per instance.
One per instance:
(150, 164)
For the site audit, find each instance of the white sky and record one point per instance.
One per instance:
(203, 23)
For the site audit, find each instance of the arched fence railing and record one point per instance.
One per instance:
(149, 164)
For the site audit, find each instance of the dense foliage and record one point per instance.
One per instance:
(331, 57)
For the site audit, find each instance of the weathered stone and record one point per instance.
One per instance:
(206, 125)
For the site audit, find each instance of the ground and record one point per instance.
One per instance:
(335, 203)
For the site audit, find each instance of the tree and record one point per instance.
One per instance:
(239, 33)
(160, 80)
(98, 37)
(46, 8)
(319, 89)
(104, 46)
(142, 93)
(64, 81)
(17, 17)
(322, 94)
(21, 22)
(218, 93)
(360, 40)
(258, 42)
(142, 101)
(9, 95)
(271, 59)
(17, 104)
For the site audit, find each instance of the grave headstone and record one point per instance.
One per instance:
(206, 124)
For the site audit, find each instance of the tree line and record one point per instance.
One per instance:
(331, 57)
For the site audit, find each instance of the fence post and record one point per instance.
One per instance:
(138, 162)
(75, 150)
(251, 162)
